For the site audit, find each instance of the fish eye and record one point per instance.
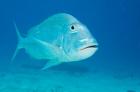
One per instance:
(72, 27)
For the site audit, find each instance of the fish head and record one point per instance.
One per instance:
(79, 43)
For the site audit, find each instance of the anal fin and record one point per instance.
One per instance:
(51, 64)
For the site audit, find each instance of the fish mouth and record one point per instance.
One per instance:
(90, 46)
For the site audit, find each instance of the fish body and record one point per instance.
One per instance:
(60, 38)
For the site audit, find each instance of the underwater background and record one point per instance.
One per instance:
(114, 23)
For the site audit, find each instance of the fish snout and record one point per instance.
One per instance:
(88, 43)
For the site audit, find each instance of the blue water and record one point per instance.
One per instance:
(114, 23)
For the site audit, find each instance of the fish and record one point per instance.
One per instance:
(61, 38)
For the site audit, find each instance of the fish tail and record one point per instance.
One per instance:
(20, 42)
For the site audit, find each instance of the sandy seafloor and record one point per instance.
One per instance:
(62, 81)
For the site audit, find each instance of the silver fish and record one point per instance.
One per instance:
(60, 38)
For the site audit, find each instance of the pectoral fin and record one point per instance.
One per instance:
(46, 45)
(48, 50)
(51, 64)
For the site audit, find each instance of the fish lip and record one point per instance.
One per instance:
(90, 46)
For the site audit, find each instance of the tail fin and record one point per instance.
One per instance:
(20, 42)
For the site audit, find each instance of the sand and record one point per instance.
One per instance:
(62, 81)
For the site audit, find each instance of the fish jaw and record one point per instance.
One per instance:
(82, 54)
(87, 52)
